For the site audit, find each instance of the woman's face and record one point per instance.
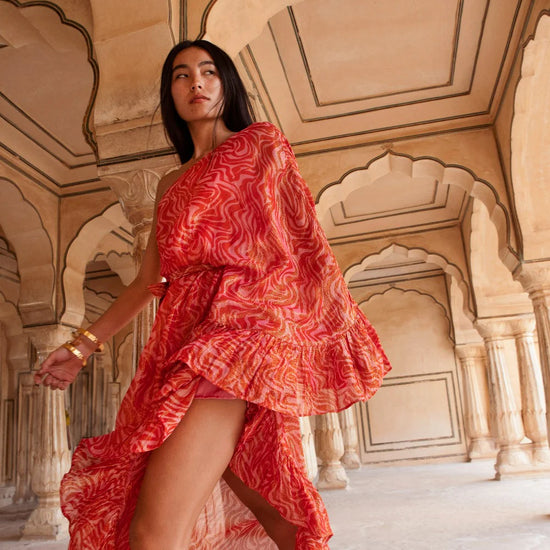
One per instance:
(197, 89)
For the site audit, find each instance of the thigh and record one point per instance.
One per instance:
(183, 471)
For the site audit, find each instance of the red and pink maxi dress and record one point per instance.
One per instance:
(255, 304)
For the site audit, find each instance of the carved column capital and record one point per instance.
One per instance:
(534, 277)
(494, 328)
(474, 351)
(523, 325)
(46, 338)
(136, 191)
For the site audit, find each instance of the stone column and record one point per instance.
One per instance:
(350, 437)
(308, 446)
(23, 490)
(136, 191)
(535, 279)
(99, 394)
(51, 457)
(330, 449)
(17, 433)
(532, 390)
(511, 458)
(113, 404)
(476, 413)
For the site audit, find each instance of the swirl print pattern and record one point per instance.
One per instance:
(255, 303)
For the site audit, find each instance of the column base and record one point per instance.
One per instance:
(541, 456)
(351, 461)
(482, 448)
(332, 476)
(513, 461)
(6, 495)
(47, 523)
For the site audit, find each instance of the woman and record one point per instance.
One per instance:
(255, 328)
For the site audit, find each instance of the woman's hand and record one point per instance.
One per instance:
(58, 370)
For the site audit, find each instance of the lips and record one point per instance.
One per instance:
(199, 99)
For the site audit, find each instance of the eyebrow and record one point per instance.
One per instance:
(184, 66)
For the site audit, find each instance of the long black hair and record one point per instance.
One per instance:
(237, 110)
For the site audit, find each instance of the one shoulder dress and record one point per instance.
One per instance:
(254, 303)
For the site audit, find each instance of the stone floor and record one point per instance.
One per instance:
(424, 507)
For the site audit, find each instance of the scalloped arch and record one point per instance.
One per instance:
(450, 175)
(530, 142)
(87, 122)
(425, 294)
(10, 317)
(418, 254)
(33, 247)
(223, 16)
(79, 252)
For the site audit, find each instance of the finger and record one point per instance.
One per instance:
(39, 377)
(47, 362)
(54, 384)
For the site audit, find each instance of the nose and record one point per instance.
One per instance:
(196, 85)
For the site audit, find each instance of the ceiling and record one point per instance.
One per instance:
(337, 72)
(332, 74)
(46, 84)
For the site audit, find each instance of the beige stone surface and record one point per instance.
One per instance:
(441, 506)
(421, 130)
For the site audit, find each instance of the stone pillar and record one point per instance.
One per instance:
(25, 403)
(535, 279)
(113, 404)
(511, 458)
(99, 394)
(476, 413)
(51, 457)
(532, 391)
(350, 437)
(330, 449)
(308, 446)
(136, 191)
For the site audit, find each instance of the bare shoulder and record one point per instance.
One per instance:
(170, 178)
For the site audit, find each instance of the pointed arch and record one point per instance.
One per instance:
(418, 254)
(33, 247)
(449, 175)
(79, 252)
(395, 289)
(87, 120)
(530, 143)
(223, 16)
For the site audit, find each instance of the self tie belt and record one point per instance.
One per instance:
(159, 289)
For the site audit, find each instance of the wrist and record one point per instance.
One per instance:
(75, 351)
(83, 345)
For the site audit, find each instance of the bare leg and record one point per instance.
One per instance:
(278, 528)
(182, 473)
